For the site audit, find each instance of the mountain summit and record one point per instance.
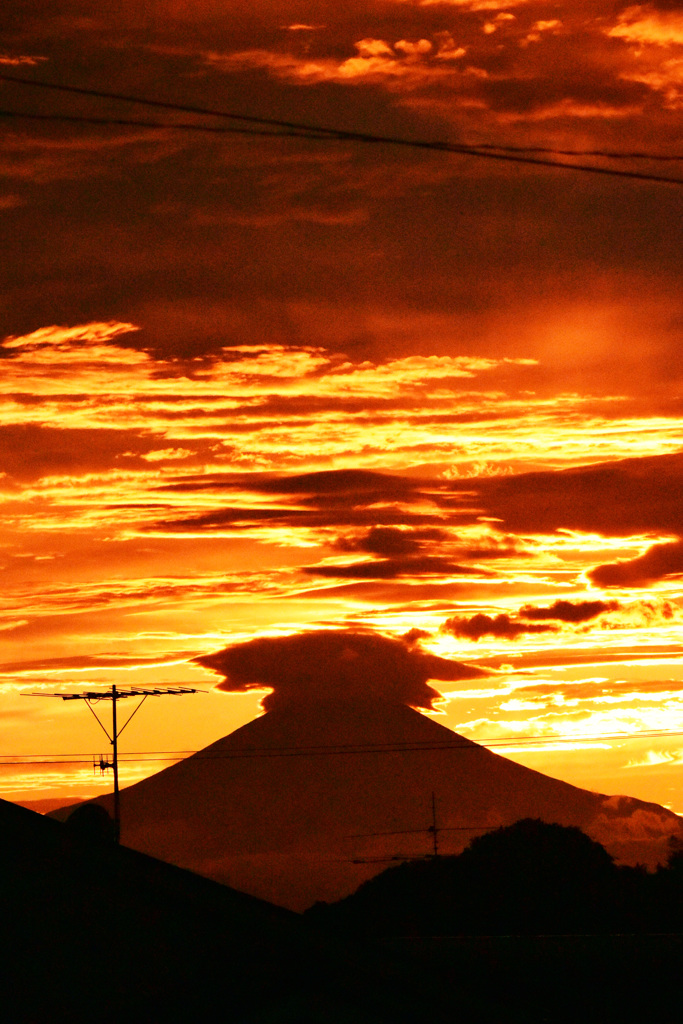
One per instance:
(309, 800)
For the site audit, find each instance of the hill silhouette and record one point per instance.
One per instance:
(528, 878)
(92, 931)
(531, 923)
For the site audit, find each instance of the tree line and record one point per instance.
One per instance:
(530, 878)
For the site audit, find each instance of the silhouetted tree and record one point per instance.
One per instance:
(90, 823)
(536, 877)
(528, 878)
(545, 927)
(664, 905)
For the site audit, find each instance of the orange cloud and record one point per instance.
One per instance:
(411, 61)
(474, 5)
(21, 60)
(54, 340)
(643, 24)
(299, 27)
(666, 77)
(538, 29)
(569, 107)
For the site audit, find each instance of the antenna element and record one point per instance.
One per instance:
(114, 695)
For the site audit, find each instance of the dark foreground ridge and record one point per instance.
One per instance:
(95, 932)
(530, 878)
(533, 922)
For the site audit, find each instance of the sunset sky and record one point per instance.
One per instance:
(255, 386)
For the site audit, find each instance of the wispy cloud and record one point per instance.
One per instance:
(657, 759)
(275, 406)
(20, 60)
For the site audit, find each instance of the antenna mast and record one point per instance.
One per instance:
(432, 828)
(114, 695)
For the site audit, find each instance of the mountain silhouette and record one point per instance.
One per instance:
(294, 807)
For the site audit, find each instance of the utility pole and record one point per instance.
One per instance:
(116, 694)
(433, 829)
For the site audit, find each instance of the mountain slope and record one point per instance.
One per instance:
(276, 807)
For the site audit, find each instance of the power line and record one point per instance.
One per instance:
(323, 750)
(302, 126)
(161, 104)
(486, 151)
(309, 132)
(185, 126)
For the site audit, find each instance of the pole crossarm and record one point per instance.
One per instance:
(116, 694)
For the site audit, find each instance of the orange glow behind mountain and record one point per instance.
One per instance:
(253, 387)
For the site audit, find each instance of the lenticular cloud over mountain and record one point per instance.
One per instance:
(334, 665)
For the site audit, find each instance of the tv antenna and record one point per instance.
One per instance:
(115, 694)
(432, 830)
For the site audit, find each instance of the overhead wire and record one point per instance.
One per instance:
(324, 750)
(488, 151)
(185, 126)
(335, 132)
(608, 154)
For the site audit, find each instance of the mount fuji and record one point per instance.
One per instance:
(307, 801)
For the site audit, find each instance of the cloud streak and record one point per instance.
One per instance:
(569, 611)
(501, 626)
(659, 562)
